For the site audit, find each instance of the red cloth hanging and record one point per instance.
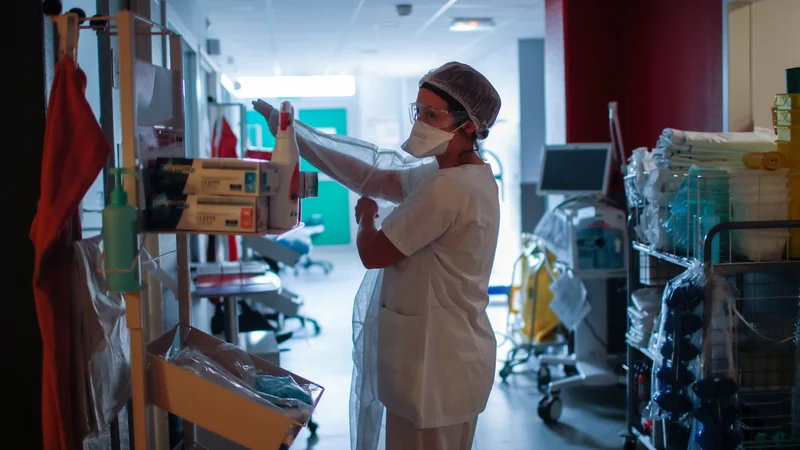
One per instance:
(75, 151)
(226, 148)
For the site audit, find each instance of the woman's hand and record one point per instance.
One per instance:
(269, 113)
(366, 207)
(263, 107)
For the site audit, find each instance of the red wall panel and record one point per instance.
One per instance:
(660, 59)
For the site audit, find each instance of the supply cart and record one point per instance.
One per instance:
(761, 326)
(152, 116)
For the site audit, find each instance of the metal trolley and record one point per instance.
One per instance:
(767, 296)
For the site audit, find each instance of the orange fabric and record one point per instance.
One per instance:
(75, 151)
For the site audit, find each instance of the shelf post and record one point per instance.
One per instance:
(133, 310)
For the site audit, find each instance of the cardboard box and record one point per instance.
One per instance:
(223, 411)
(206, 213)
(217, 176)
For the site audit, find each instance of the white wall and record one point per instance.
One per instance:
(763, 41)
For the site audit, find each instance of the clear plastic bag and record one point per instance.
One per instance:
(553, 230)
(569, 302)
(635, 176)
(100, 346)
(717, 410)
(226, 366)
(678, 347)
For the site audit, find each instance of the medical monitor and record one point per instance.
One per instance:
(575, 169)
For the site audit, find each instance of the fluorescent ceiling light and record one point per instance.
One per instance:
(471, 24)
(294, 87)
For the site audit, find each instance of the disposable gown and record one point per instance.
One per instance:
(373, 172)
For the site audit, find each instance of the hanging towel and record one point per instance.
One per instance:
(223, 145)
(75, 151)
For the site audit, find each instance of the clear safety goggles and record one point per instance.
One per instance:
(435, 117)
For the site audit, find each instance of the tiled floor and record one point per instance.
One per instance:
(592, 417)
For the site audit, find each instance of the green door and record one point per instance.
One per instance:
(332, 203)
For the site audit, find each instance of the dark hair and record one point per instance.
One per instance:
(453, 105)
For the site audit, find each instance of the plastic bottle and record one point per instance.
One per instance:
(120, 238)
(284, 206)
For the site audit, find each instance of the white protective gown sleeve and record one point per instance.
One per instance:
(383, 175)
(360, 166)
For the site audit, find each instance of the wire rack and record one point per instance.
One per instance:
(763, 354)
(760, 329)
(673, 211)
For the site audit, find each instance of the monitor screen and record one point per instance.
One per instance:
(577, 169)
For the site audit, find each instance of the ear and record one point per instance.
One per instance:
(469, 128)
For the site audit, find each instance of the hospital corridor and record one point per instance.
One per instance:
(402, 225)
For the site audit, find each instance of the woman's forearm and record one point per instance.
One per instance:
(356, 175)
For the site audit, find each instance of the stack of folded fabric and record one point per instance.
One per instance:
(713, 150)
(645, 308)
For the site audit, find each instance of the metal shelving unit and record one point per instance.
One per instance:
(151, 98)
(767, 295)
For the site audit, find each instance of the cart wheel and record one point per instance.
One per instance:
(312, 427)
(550, 409)
(543, 379)
(630, 445)
(571, 371)
(505, 371)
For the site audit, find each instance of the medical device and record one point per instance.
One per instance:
(586, 232)
(575, 169)
(588, 235)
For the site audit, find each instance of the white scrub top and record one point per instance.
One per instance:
(436, 347)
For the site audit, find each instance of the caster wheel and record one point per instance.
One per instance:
(505, 372)
(550, 409)
(312, 427)
(570, 371)
(630, 445)
(543, 379)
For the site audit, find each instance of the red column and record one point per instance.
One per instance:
(660, 59)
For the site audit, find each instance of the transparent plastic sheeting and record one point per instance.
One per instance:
(293, 400)
(682, 303)
(101, 343)
(554, 231)
(570, 302)
(709, 406)
(380, 174)
(360, 166)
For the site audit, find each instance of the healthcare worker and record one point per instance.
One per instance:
(436, 350)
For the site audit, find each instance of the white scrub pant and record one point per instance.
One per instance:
(402, 435)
